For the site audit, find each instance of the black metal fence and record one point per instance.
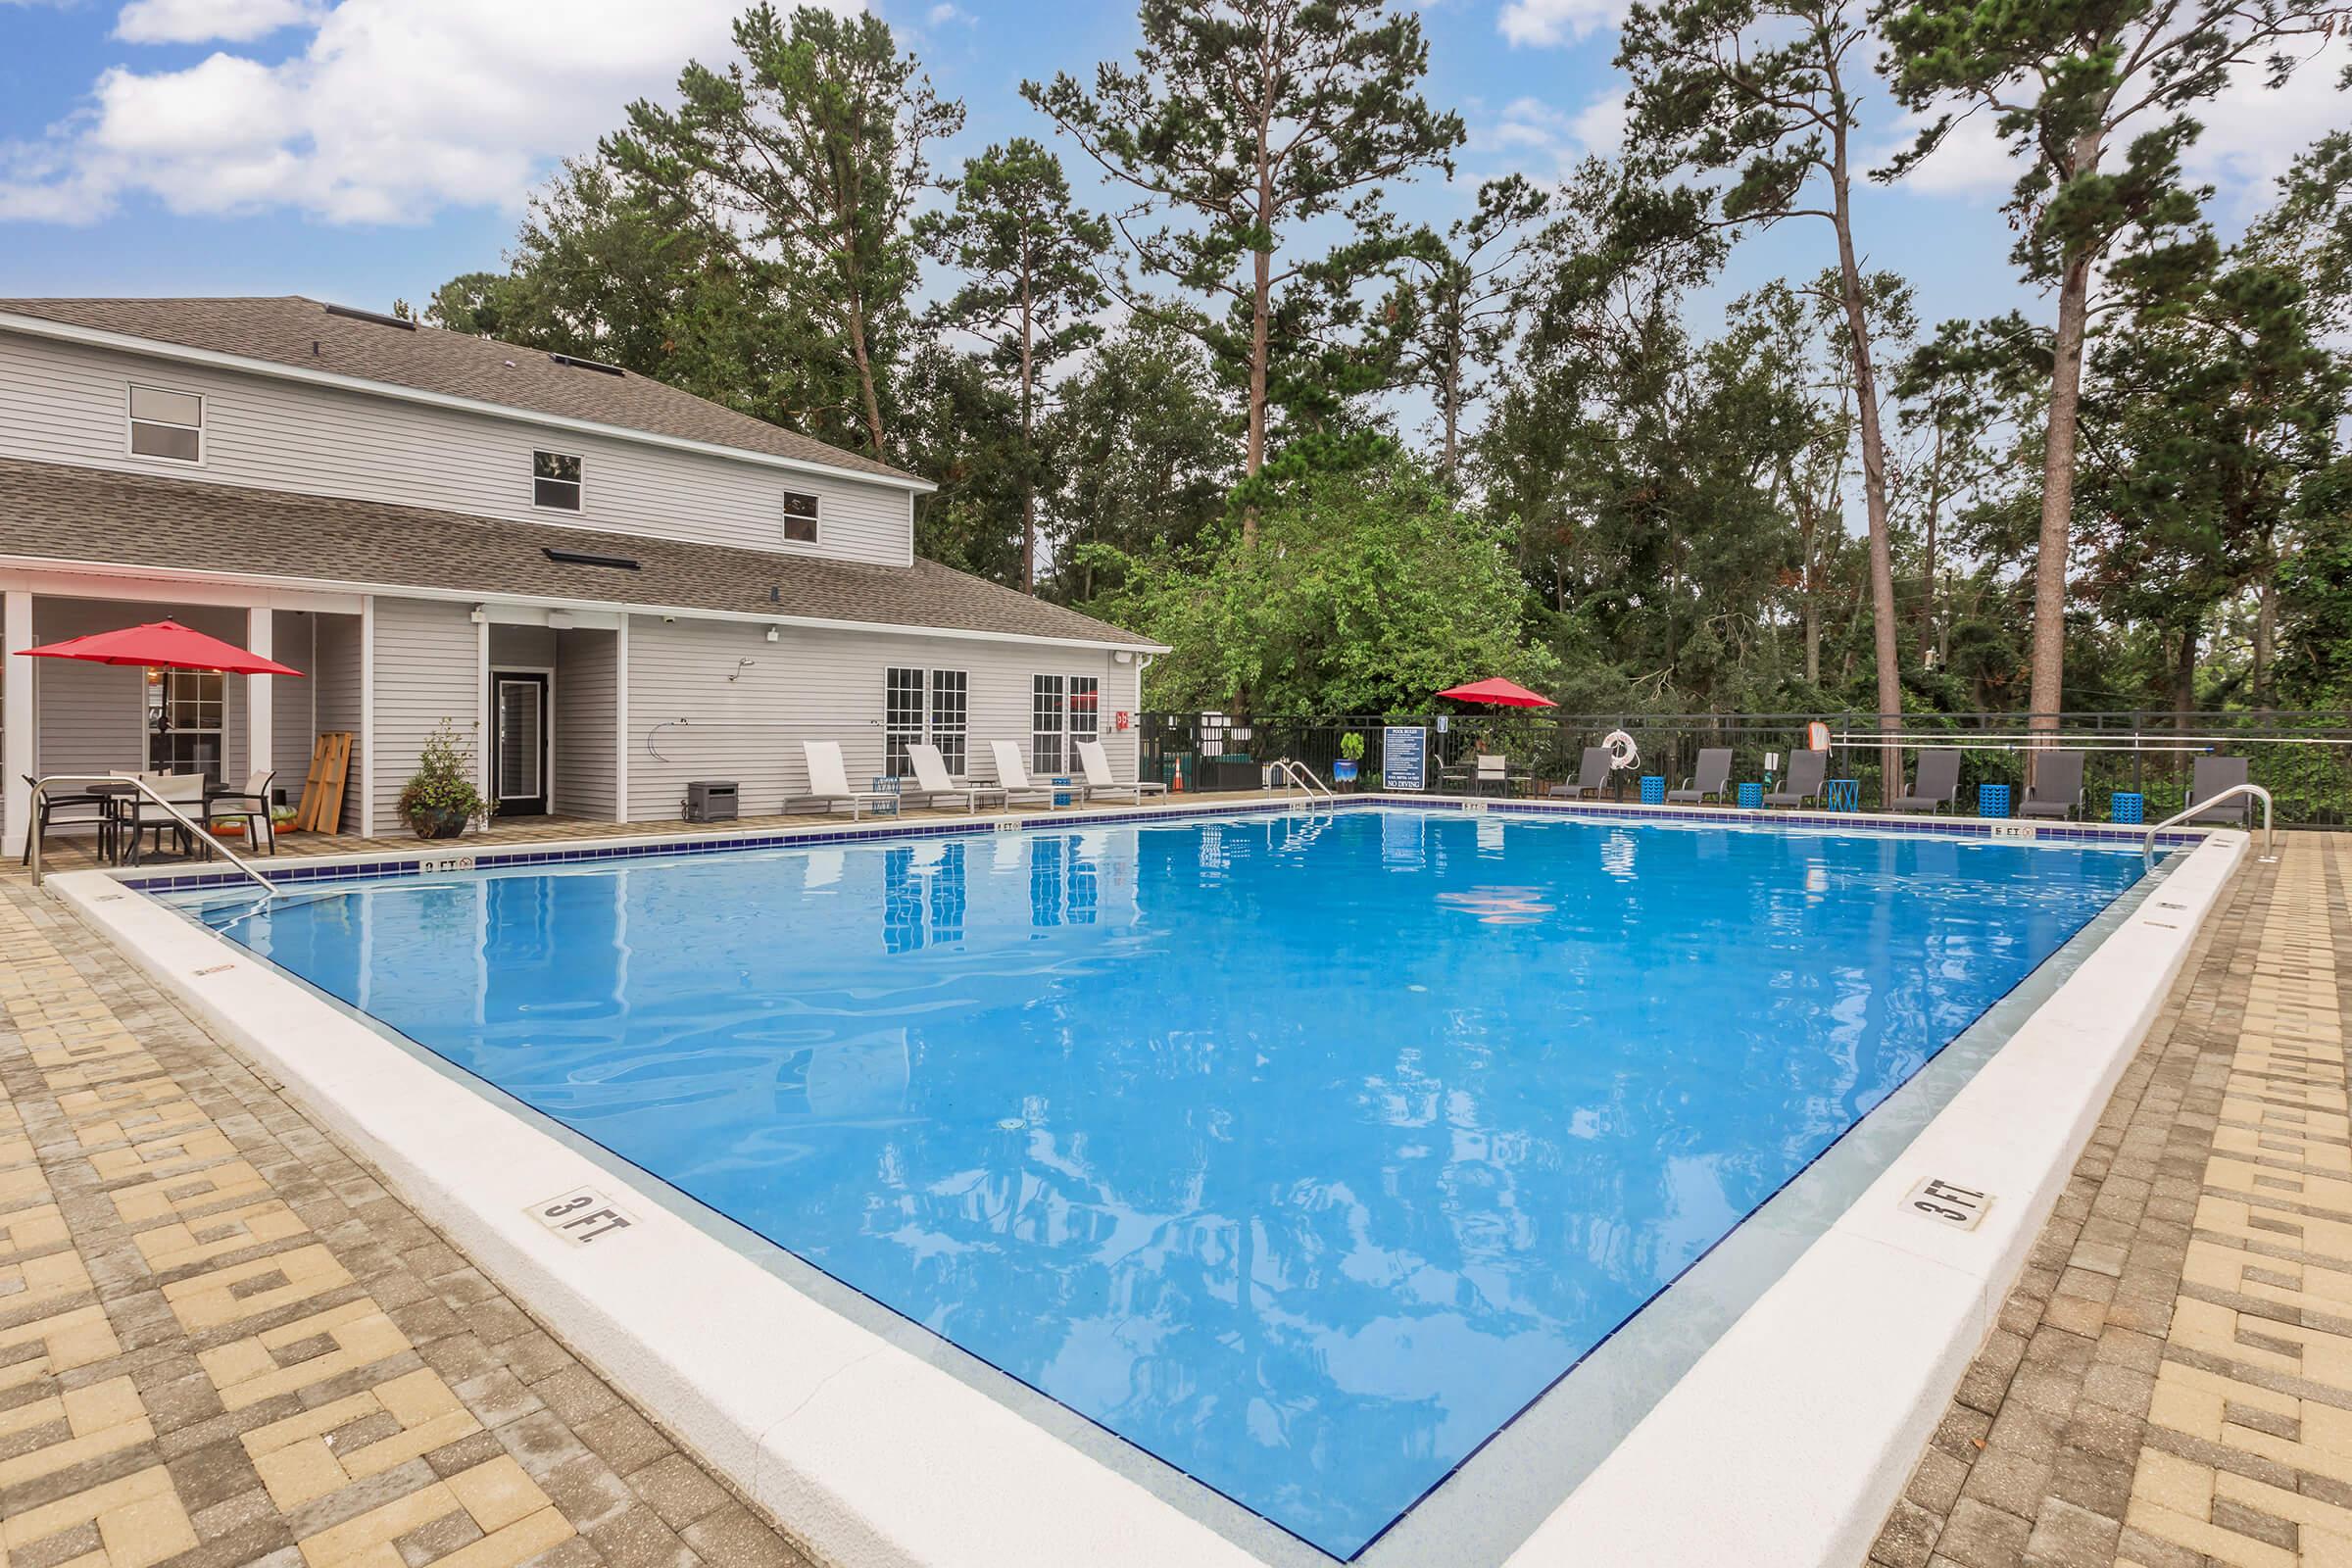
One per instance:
(2303, 759)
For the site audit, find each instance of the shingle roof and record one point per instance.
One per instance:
(57, 512)
(283, 331)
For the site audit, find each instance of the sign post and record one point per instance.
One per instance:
(1404, 758)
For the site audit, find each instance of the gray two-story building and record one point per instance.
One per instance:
(609, 586)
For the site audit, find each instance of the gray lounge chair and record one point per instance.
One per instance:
(2057, 787)
(1592, 777)
(2211, 776)
(1712, 777)
(1806, 771)
(1935, 783)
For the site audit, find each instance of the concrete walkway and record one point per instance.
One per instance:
(2171, 1384)
(222, 1341)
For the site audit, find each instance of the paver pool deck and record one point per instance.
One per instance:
(223, 1342)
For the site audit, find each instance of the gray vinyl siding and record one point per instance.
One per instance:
(336, 695)
(64, 403)
(428, 668)
(293, 641)
(587, 666)
(818, 685)
(92, 717)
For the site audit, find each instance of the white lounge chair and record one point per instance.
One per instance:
(830, 781)
(933, 782)
(1013, 776)
(1101, 781)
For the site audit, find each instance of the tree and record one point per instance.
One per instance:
(1030, 258)
(1253, 118)
(1462, 305)
(1371, 589)
(810, 146)
(1141, 454)
(2065, 84)
(1765, 89)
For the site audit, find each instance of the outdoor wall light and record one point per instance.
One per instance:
(774, 635)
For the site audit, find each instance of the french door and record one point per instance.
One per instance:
(519, 754)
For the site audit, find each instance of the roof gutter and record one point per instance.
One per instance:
(181, 352)
(479, 596)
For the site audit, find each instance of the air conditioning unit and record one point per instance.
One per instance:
(710, 800)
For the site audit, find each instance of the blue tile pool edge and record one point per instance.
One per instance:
(574, 851)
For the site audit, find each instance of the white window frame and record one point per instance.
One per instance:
(130, 421)
(785, 520)
(925, 724)
(531, 477)
(1060, 732)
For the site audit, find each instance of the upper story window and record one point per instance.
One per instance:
(800, 517)
(556, 481)
(167, 425)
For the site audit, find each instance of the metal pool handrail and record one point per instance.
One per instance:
(2269, 833)
(40, 788)
(1292, 771)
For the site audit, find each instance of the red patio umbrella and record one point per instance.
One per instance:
(1499, 693)
(160, 645)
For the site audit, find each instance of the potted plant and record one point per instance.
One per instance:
(440, 799)
(1352, 751)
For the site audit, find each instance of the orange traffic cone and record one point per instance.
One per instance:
(1177, 788)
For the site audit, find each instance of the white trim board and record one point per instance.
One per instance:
(13, 568)
(180, 353)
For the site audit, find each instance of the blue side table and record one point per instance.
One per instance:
(1842, 795)
(2127, 805)
(1751, 795)
(1063, 795)
(885, 785)
(1653, 789)
(1992, 799)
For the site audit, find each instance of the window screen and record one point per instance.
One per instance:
(556, 480)
(800, 517)
(167, 425)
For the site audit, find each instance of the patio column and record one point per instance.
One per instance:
(260, 698)
(15, 715)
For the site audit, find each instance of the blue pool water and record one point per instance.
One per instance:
(1303, 1157)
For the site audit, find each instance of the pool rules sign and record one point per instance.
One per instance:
(1404, 758)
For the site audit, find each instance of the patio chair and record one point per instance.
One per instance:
(1013, 776)
(139, 814)
(1713, 777)
(1494, 770)
(1592, 775)
(2057, 787)
(1099, 780)
(1935, 783)
(830, 782)
(1806, 771)
(250, 806)
(2208, 777)
(71, 809)
(933, 782)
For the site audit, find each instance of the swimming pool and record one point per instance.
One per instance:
(1301, 1153)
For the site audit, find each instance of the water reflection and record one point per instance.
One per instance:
(1299, 1154)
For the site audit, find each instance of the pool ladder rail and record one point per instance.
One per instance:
(40, 788)
(2270, 830)
(1291, 771)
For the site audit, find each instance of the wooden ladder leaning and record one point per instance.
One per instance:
(322, 809)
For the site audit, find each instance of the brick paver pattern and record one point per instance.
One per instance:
(2170, 1384)
(223, 1342)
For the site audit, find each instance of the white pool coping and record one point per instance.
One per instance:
(1785, 1444)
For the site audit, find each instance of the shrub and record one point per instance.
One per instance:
(443, 780)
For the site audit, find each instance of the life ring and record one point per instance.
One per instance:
(1817, 736)
(1624, 755)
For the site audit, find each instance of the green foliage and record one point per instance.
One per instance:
(1240, 123)
(1351, 746)
(443, 780)
(809, 148)
(1368, 591)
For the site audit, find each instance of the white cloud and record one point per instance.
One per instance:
(1539, 140)
(202, 21)
(2250, 135)
(394, 110)
(1542, 22)
(940, 15)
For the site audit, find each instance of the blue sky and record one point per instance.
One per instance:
(364, 150)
